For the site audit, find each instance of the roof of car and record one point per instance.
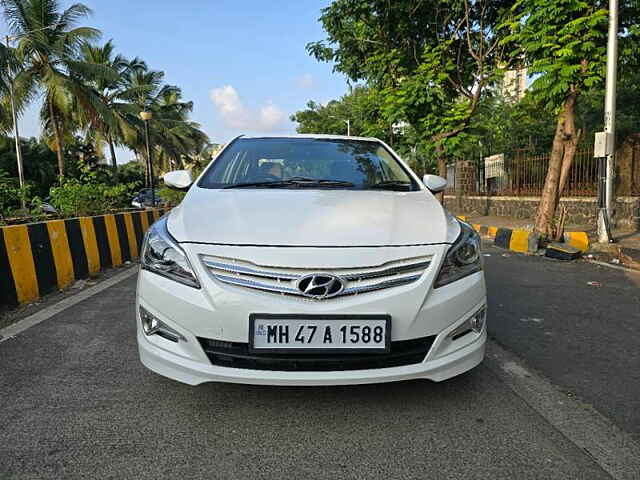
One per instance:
(314, 135)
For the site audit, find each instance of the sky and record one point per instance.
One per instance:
(242, 63)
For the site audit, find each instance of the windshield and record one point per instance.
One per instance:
(307, 163)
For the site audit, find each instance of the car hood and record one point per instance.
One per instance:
(310, 218)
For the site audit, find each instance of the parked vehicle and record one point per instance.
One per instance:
(48, 208)
(310, 260)
(143, 199)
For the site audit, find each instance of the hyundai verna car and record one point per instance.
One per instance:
(310, 260)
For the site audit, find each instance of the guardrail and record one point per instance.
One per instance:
(39, 258)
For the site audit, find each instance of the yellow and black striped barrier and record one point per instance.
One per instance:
(524, 241)
(38, 258)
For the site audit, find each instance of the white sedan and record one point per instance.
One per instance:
(310, 260)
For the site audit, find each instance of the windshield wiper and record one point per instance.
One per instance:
(391, 185)
(325, 182)
(267, 184)
(293, 182)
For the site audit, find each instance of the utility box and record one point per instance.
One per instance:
(603, 145)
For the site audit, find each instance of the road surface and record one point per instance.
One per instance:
(76, 403)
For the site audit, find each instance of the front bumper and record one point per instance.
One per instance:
(193, 373)
(219, 312)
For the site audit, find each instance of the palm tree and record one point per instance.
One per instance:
(171, 133)
(115, 93)
(5, 112)
(48, 49)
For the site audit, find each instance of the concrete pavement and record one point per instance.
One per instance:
(76, 403)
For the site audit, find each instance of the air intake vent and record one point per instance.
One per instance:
(236, 355)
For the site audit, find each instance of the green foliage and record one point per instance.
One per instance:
(503, 126)
(74, 197)
(11, 195)
(361, 106)
(39, 163)
(431, 62)
(170, 195)
(131, 172)
(563, 43)
(91, 193)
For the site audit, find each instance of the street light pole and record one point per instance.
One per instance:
(606, 192)
(14, 115)
(610, 98)
(146, 116)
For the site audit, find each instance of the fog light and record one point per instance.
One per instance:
(474, 323)
(151, 325)
(477, 321)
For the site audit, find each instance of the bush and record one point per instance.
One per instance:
(130, 172)
(74, 197)
(12, 196)
(171, 196)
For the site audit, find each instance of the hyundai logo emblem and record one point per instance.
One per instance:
(320, 285)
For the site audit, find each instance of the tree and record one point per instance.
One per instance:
(39, 163)
(113, 92)
(361, 107)
(171, 133)
(47, 49)
(431, 61)
(563, 43)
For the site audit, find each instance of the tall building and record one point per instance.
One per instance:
(514, 83)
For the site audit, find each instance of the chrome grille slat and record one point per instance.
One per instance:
(284, 280)
(249, 271)
(386, 272)
(380, 286)
(257, 285)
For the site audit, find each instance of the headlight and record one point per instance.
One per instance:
(162, 255)
(462, 259)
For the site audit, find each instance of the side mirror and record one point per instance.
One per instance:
(434, 183)
(178, 179)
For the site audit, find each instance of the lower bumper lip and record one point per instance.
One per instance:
(194, 373)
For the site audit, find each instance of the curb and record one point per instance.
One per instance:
(524, 241)
(42, 257)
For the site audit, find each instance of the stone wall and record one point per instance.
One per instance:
(581, 211)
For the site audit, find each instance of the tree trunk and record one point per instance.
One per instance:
(441, 160)
(565, 132)
(442, 168)
(567, 160)
(112, 150)
(58, 140)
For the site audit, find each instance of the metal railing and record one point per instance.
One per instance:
(520, 174)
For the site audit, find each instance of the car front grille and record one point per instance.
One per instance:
(284, 280)
(237, 355)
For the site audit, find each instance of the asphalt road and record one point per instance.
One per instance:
(76, 403)
(585, 338)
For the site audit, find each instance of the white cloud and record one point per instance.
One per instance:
(306, 81)
(267, 118)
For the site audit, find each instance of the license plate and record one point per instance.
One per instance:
(319, 333)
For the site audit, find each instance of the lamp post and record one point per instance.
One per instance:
(14, 113)
(607, 150)
(14, 116)
(146, 116)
